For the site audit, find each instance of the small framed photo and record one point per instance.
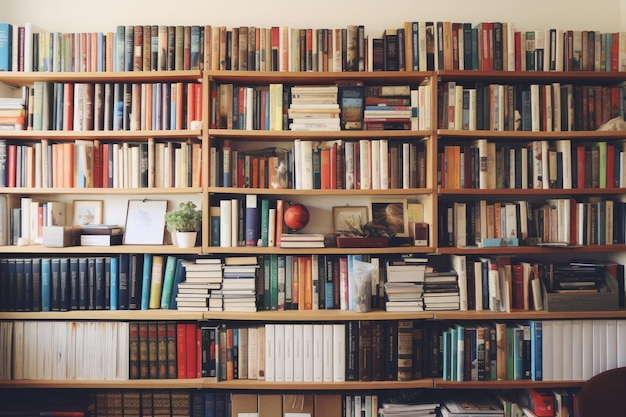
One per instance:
(391, 213)
(145, 222)
(345, 217)
(87, 212)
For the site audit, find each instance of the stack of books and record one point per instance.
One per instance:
(13, 113)
(388, 107)
(441, 291)
(404, 285)
(201, 277)
(238, 292)
(314, 108)
(101, 235)
(301, 240)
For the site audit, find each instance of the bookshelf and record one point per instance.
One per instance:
(208, 191)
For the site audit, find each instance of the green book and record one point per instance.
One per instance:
(265, 221)
(273, 282)
(168, 281)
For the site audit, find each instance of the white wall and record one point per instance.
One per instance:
(81, 15)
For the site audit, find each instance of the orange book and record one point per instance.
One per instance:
(11, 164)
(255, 172)
(197, 89)
(325, 169)
(57, 167)
(280, 210)
(181, 349)
(295, 283)
(307, 279)
(68, 164)
(230, 364)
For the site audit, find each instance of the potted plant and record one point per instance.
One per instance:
(364, 235)
(185, 222)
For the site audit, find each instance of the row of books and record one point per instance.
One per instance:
(363, 350)
(412, 46)
(504, 283)
(64, 350)
(540, 164)
(121, 282)
(343, 106)
(562, 221)
(155, 402)
(62, 106)
(528, 107)
(365, 164)
(95, 164)
(541, 350)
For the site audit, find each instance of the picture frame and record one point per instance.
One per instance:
(346, 216)
(145, 222)
(86, 212)
(392, 214)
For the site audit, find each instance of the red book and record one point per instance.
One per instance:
(280, 211)
(580, 166)
(11, 164)
(275, 43)
(181, 343)
(615, 52)
(610, 166)
(97, 164)
(190, 350)
(518, 51)
(343, 283)
(197, 93)
(518, 287)
(573, 226)
(325, 172)
(240, 177)
(198, 352)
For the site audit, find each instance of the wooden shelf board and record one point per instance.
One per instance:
(342, 192)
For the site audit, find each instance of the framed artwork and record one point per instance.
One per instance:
(87, 212)
(145, 222)
(391, 213)
(345, 217)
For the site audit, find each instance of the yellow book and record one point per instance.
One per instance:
(156, 282)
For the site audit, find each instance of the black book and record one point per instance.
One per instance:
(378, 350)
(91, 284)
(64, 285)
(352, 350)
(365, 354)
(135, 278)
(99, 283)
(74, 284)
(83, 284)
(36, 274)
(55, 283)
(107, 283)
(391, 362)
(123, 287)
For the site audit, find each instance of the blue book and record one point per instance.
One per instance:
(114, 282)
(55, 283)
(36, 271)
(83, 284)
(253, 231)
(460, 368)
(447, 355)
(168, 281)
(209, 404)
(536, 358)
(45, 283)
(454, 352)
(73, 283)
(122, 285)
(64, 285)
(330, 285)
(6, 35)
(28, 285)
(107, 282)
(99, 276)
(145, 281)
(179, 276)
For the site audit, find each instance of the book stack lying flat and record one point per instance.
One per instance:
(441, 291)
(404, 285)
(238, 292)
(314, 108)
(301, 240)
(101, 235)
(202, 276)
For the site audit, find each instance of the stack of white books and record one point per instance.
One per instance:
(301, 240)
(238, 292)
(314, 108)
(404, 284)
(202, 276)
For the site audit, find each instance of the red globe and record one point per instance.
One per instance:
(296, 217)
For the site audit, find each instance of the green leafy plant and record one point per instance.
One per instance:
(365, 230)
(187, 218)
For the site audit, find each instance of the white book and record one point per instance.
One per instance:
(556, 106)
(349, 168)
(587, 349)
(546, 349)
(297, 160)
(384, 164)
(318, 353)
(234, 223)
(577, 350)
(565, 147)
(406, 166)
(24, 238)
(557, 350)
(298, 352)
(279, 352)
(261, 353)
(306, 165)
(365, 165)
(478, 286)
(339, 352)
(271, 229)
(308, 351)
(483, 179)
(611, 344)
(599, 346)
(375, 156)
(242, 357)
(327, 354)
(270, 346)
(621, 341)
(253, 370)
(567, 353)
(535, 110)
(225, 223)
(288, 352)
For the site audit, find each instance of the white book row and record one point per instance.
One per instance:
(305, 352)
(64, 350)
(578, 349)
